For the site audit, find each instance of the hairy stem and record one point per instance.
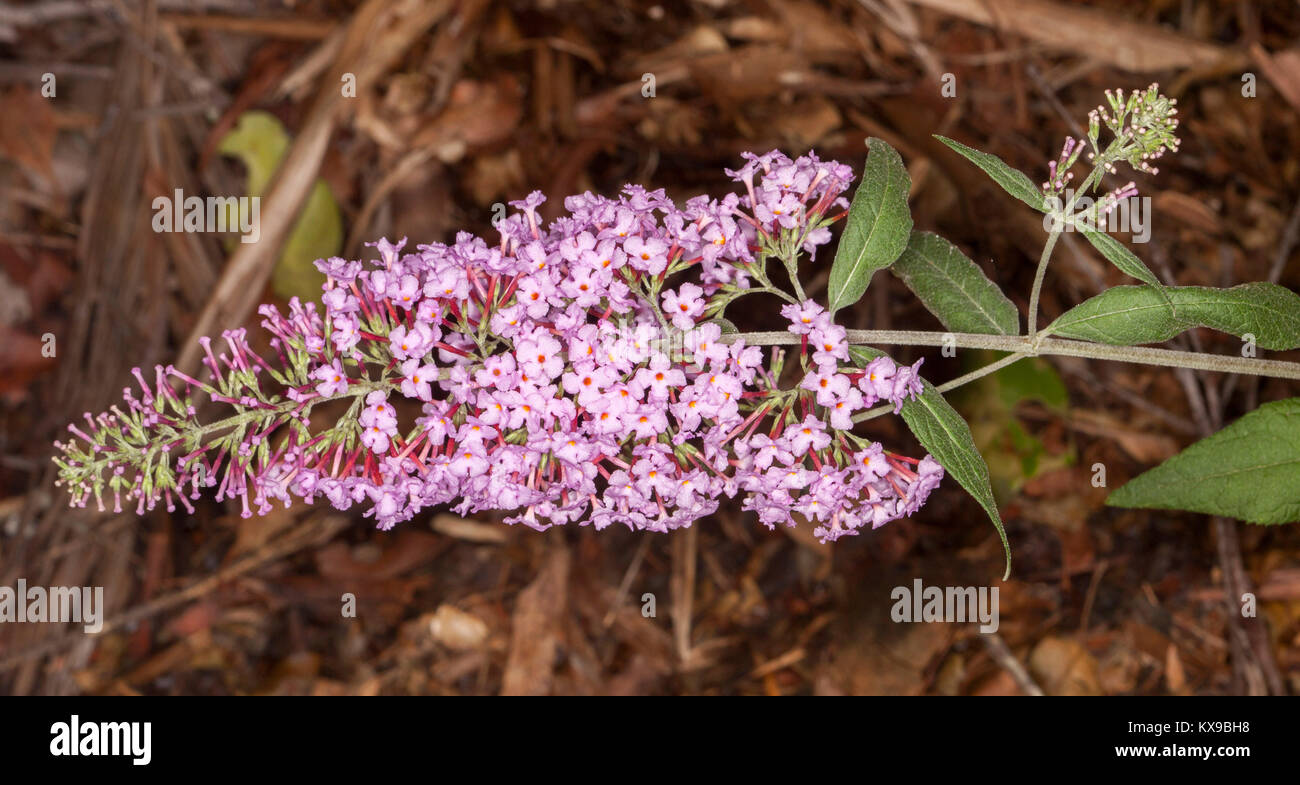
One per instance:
(1038, 281)
(952, 385)
(1052, 237)
(1142, 355)
(791, 268)
(134, 453)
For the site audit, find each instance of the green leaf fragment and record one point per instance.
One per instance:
(945, 434)
(1129, 315)
(954, 288)
(1125, 260)
(878, 225)
(1012, 180)
(1249, 471)
(260, 142)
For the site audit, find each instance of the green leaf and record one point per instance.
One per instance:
(954, 288)
(864, 354)
(1120, 256)
(260, 141)
(1127, 315)
(944, 433)
(1249, 471)
(1013, 181)
(1031, 379)
(1013, 454)
(878, 225)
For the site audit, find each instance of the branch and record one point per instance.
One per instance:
(1142, 355)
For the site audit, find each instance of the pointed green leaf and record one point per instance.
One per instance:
(260, 141)
(1013, 454)
(878, 225)
(954, 288)
(723, 324)
(1012, 180)
(1127, 315)
(1249, 471)
(1031, 379)
(1120, 256)
(944, 433)
(863, 355)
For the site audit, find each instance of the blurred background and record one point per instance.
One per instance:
(402, 118)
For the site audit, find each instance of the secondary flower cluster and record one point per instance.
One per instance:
(553, 374)
(1143, 127)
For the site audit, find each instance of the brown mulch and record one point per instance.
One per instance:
(464, 104)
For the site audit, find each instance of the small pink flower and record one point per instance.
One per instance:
(828, 385)
(416, 342)
(333, 381)
(659, 377)
(810, 433)
(418, 380)
(541, 358)
(649, 255)
(803, 317)
(685, 305)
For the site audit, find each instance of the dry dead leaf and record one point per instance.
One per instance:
(20, 360)
(402, 551)
(1188, 209)
(1143, 447)
(477, 114)
(493, 177)
(536, 629)
(1282, 70)
(1062, 666)
(749, 73)
(470, 531)
(27, 126)
(1175, 676)
(1000, 683)
(698, 42)
(456, 629)
(807, 123)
